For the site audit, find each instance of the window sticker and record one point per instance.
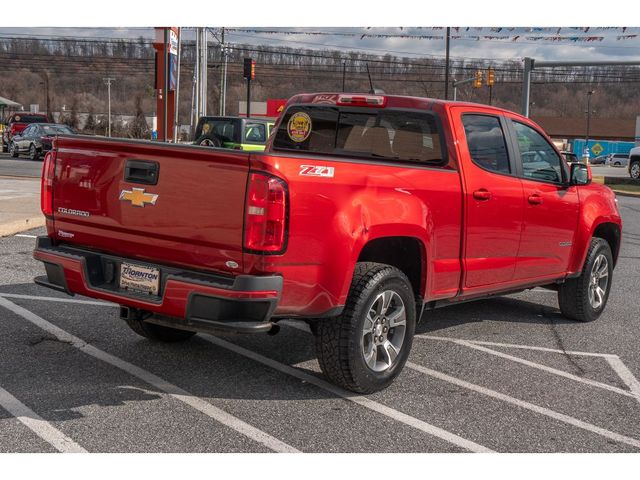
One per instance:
(299, 127)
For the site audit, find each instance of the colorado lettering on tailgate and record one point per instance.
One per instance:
(436, 203)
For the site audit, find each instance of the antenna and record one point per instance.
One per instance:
(372, 90)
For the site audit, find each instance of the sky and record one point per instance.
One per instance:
(350, 38)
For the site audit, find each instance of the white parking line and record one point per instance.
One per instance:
(515, 345)
(526, 405)
(25, 236)
(545, 368)
(38, 425)
(360, 400)
(506, 398)
(60, 300)
(625, 374)
(614, 361)
(173, 390)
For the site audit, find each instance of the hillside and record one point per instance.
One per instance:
(75, 69)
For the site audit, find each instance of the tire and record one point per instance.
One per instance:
(209, 141)
(159, 333)
(13, 150)
(579, 297)
(634, 170)
(617, 164)
(360, 361)
(5, 147)
(33, 153)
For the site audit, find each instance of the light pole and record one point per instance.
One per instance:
(446, 67)
(107, 82)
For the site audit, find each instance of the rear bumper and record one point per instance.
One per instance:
(191, 300)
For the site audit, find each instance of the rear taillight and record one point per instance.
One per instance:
(265, 226)
(46, 191)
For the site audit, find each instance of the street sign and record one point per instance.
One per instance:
(597, 149)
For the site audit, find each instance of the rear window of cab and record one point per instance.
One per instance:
(371, 133)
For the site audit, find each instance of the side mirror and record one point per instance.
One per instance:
(580, 174)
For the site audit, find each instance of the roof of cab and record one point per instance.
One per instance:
(329, 98)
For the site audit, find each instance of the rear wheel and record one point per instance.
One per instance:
(584, 298)
(634, 170)
(158, 333)
(13, 150)
(366, 347)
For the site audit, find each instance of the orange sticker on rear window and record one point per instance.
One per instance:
(299, 127)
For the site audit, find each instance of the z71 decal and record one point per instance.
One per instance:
(316, 171)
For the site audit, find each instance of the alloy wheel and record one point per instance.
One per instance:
(598, 281)
(383, 331)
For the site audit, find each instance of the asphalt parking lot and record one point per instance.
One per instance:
(508, 374)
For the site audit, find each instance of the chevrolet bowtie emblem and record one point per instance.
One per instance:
(138, 197)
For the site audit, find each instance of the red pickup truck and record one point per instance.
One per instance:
(363, 212)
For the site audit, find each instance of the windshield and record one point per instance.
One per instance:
(56, 130)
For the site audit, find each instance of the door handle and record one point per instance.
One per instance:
(141, 171)
(535, 199)
(482, 194)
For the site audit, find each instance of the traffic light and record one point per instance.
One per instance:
(490, 77)
(477, 82)
(249, 71)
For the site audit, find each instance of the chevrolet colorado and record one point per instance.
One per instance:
(363, 212)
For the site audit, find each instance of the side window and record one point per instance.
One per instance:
(255, 133)
(539, 159)
(486, 142)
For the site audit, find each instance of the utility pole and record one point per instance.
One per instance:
(344, 73)
(446, 62)
(107, 81)
(223, 73)
(45, 83)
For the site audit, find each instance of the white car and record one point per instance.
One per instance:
(618, 160)
(634, 164)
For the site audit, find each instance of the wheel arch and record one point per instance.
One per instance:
(610, 232)
(408, 254)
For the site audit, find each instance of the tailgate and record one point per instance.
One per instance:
(104, 198)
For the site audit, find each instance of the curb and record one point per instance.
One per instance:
(23, 225)
(625, 194)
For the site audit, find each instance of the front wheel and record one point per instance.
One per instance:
(13, 150)
(33, 153)
(634, 170)
(584, 298)
(366, 347)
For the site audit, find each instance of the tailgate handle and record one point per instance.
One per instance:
(141, 171)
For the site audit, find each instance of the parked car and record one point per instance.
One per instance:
(238, 133)
(634, 163)
(36, 139)
(363, 212)
(17, 123)
(618, 159)
(600, 160)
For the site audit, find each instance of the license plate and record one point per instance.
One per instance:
(139, 278)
